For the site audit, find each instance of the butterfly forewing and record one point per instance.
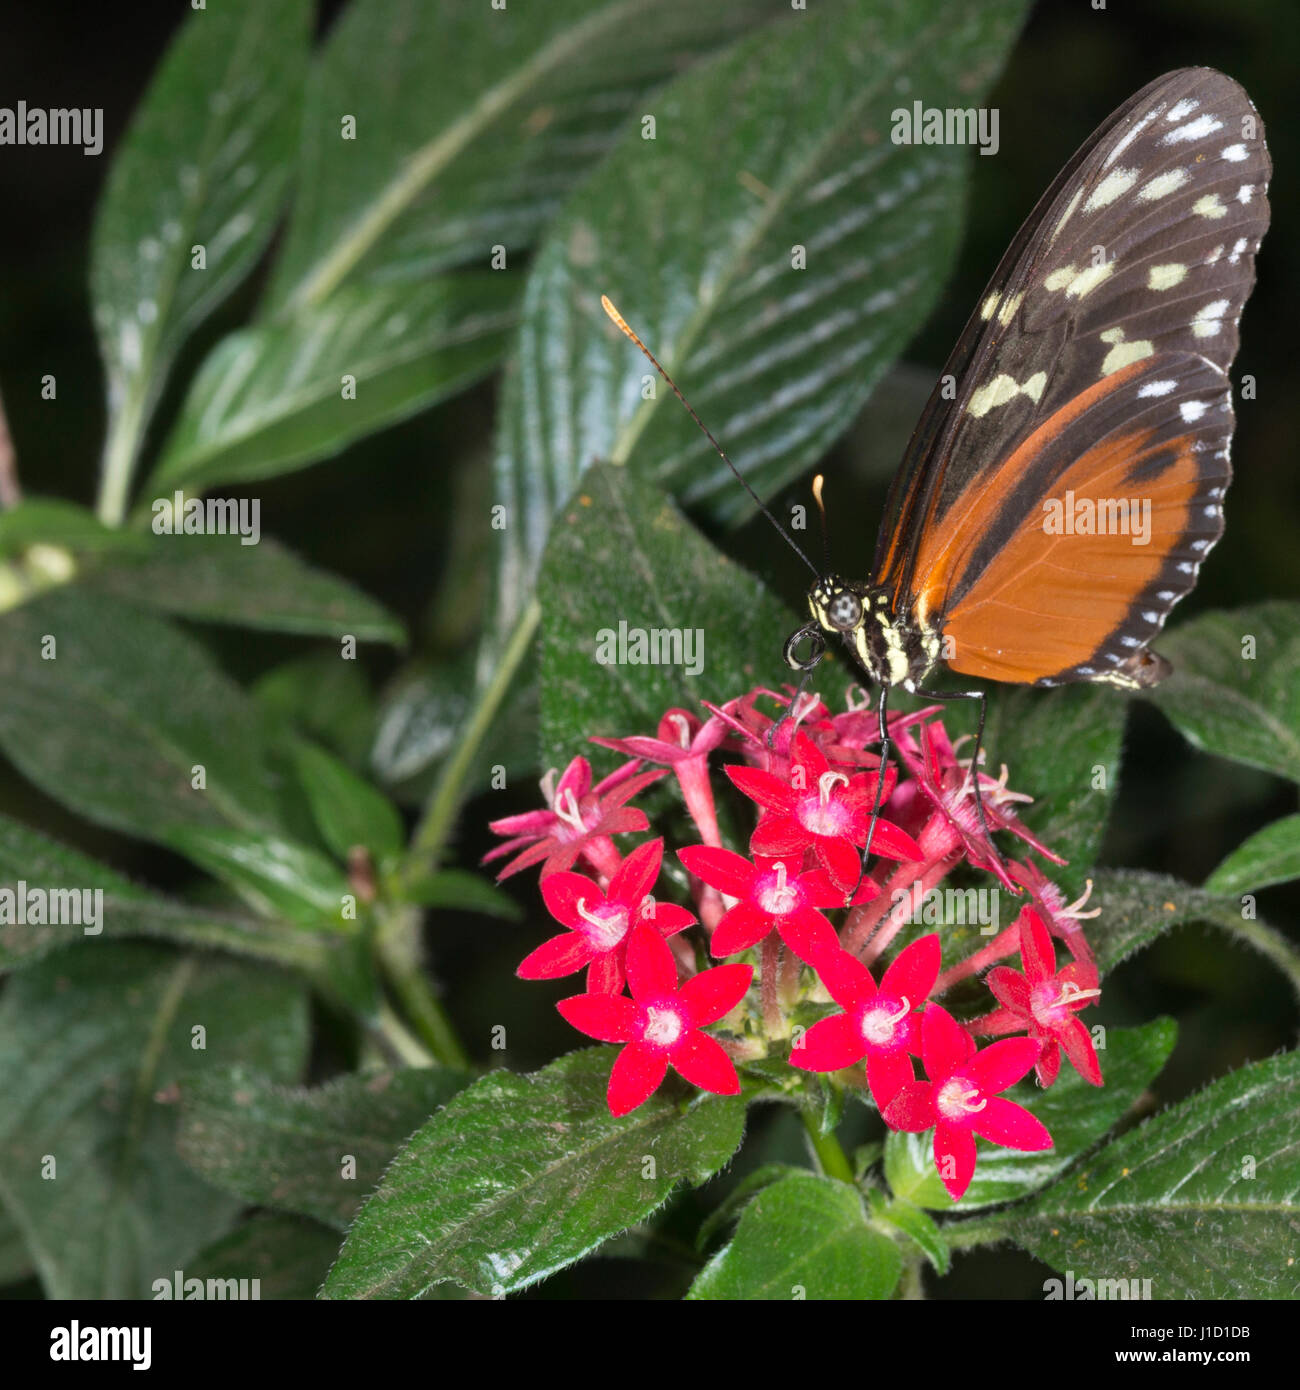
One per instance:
(1093, 373)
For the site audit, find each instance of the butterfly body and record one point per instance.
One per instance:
(893, 649)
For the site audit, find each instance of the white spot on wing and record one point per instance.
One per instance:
(1210, 206)
(1193, 130)
(1182, 108)
(1206, 320)
(1157, 388)
(1114, 185)
(1192, 411)
(1234, 154)
(1165, 277)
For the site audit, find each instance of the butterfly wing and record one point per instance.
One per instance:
(1066, 478)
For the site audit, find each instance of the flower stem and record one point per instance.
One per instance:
(432, 831)
(831, 1158)
(405, 1046)
(397, 951)
(1269, 943)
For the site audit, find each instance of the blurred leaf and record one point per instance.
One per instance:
(1270, 856)
(286, 1147)
(90, 1040)
(113, 724)
(325, 697)
(1235, 690)
(129, 910)
(270, 399)
(803, 1236)
(52, 521)
(289, 1257)
(217, 579)
(15, 1261)
(273, 875)
(645, 569)
(1076, 1114)
(1200, 1199)
(700, 254)
(728, 1211)
(457, 888)
(521, 1175)
(205, 163)
(1069, 812)
(347, 809)
(454, 157)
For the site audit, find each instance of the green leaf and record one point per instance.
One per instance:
(287, 1256)
(462, 890)
(114, 719)
(205, 163)
(327, 959)
(646, 569)
(777, 358)
(452, 158)
(1069, 810)
(270, 399)
(15, 1262)
(217, 579)
(803, 1236)
(1235, 690)
(1200, 1199)
(919, 1227)
(521, 1175)
(348, 811)
(274, 876)
(288, 1148)
(90, 1040)
(1076, 1114)
(1270, 856)
(52, 521)
(324, 697)
(728, 1210)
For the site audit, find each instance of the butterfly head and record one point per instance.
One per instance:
(891, 649)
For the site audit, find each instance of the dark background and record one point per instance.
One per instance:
(379, 513)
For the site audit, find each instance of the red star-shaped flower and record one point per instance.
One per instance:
(579, 819)
(1045, 1002)
(820, 809)
(961, 1097)
(661, 1023)
(599, 923)
(879, 1024)
(774, 896)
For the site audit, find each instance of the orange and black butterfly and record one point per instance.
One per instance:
(1066, 478)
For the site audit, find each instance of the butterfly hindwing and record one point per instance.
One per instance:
(1093, 373)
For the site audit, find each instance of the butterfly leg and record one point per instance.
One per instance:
(975, 761)
(882, 712)
(807, 666)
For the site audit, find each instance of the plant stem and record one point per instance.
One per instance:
(119, 460)
(831, 1157)
(431, 834)
(398, 954)
(404, 1044)
(1269, 943)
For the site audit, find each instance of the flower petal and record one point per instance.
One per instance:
(770, 792)
(914, 971)
(848, 981)
(669, 919)
(637, 874)
(723, 869)
(778, 836)
(946, 1046)
(831, 1044)
(954, 1156)
(635, 1077)
(912, 1108)
(744, 926)
(561, 955)
(887, 1074)
(1036, 950)
(1075, 1038)
(1011, 1125)
(889, 842)
(843, 864)
(715, 992)
(703, 1061)
(1011, 989)
(608, 1017)
(651, 965)
(1003, 1063)
(809, 935)
(563, 891)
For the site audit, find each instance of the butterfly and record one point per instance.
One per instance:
(1066, 478)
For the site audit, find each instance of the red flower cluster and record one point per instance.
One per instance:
(814, 781)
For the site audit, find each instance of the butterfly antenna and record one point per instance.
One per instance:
(622, 324)
(818, 483)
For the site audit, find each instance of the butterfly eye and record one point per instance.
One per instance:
(845, 611)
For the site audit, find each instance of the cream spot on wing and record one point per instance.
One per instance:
(989, 306)
(1123, 353)
(1214, 255)
(1067, 214)
(1058, 279)
(1004, 388)
(1206, 321)
(1210, 206)
(1114, 185)
(1162, 185)
(1165, 277)
(1194, 130)
(1008, 311)
(1134, 131)
(1088, 279)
